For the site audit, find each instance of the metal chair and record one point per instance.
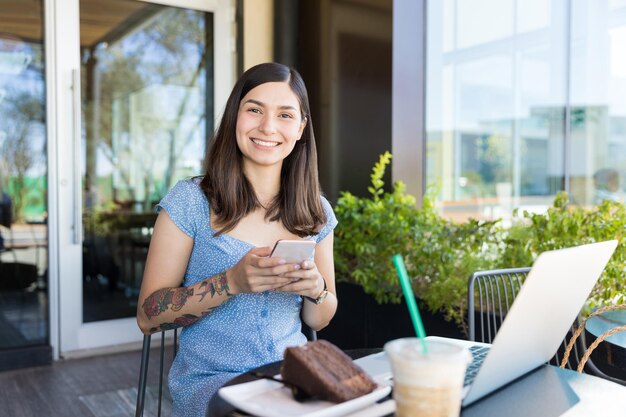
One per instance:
(585, 362)
(310, 334)
(143, 371)
(490, 295)
(145, 356)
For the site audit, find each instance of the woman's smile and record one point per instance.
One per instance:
(264, 143)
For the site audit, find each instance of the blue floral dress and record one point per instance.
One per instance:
(247, 331)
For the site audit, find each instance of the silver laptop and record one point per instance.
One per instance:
(545, 308)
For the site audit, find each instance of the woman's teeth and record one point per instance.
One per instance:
(263, 143)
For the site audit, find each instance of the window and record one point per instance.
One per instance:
(522, 106)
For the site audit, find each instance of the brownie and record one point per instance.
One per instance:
(323, 371)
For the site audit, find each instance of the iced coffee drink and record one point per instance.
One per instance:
(427, 385)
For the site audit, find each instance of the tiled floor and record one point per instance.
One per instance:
(102, 386)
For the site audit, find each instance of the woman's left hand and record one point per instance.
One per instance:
(306, 281)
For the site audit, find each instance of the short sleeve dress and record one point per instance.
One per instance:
(247, 331)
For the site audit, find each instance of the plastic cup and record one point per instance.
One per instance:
(427, 384)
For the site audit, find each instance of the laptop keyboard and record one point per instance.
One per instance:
(478, 356)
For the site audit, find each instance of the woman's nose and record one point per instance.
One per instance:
(267, 126)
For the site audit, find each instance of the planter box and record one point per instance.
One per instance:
(362, 323)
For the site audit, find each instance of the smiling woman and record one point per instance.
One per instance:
(267, 130)
(209, 267)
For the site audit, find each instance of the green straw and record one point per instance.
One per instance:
(410, 300)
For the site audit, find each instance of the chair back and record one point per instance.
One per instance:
(6, 209)
(143, 371)
(490, 295)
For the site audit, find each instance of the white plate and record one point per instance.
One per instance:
(266, 398)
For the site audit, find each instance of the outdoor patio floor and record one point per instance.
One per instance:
(99, 386)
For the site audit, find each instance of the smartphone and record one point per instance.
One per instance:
(294, 251)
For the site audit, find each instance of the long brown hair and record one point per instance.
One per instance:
(230, 194)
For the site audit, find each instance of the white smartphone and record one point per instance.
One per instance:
(294, 251)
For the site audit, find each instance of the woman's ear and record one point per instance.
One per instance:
(302, 126)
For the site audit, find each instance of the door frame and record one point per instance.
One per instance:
(69, 336)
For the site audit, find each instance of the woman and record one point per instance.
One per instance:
(209, 266)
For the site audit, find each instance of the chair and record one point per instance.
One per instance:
(490, 295)
(145, 356)
(143, 371)
(310, 334)
(17, 278)
(585, 362)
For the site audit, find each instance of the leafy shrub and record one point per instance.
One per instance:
(373, 229)
(440, 255)
(565, 225)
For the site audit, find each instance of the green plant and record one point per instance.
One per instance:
(460, 250)
(370, 231)
(441, 255)
(565, 225)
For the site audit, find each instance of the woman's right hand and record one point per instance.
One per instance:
(257, 272)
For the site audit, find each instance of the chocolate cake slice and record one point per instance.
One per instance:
(323, 371)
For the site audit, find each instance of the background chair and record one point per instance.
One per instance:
(585, 361)
(18, 280)
(145, 357)
(490, 295)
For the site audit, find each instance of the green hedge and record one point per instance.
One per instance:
(441, 255)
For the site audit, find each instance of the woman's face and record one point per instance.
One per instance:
(269, 124)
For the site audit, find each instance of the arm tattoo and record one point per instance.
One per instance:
(160, 300)
(214, 285)
(182, 321)
(157, 302)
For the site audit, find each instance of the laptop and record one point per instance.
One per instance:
(555, 290)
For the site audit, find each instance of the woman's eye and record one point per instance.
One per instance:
(286, 116)
(254, 110)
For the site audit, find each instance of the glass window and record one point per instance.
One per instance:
(532, 15)
(23, 180)
(147, 89)
(475, 27)
(598, 90)
(495, 105)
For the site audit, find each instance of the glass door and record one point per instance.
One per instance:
(24, 331)
(144, 96)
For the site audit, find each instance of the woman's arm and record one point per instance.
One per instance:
(163, 304)
(312, 276)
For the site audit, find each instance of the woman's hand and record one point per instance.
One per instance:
(306, 280)
(256, 272)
